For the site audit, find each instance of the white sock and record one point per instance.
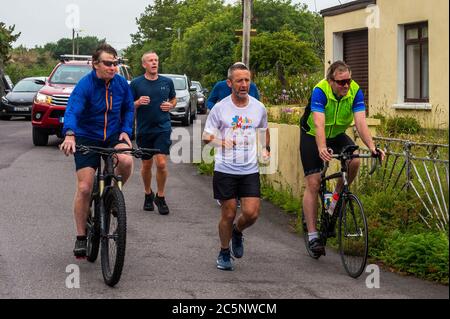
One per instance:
(312, 236)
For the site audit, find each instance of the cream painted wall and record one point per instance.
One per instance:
(384, 80)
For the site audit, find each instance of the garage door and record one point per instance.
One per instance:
(356, 54)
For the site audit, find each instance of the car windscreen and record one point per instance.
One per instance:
(27, 86)
(179, 83)
(69, 74)
(197, 86)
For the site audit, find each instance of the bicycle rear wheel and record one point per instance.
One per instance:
(353, 236)
(114, 240)
(93, 226)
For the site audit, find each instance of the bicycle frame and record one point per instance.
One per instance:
(109, 205)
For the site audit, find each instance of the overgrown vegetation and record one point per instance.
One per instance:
(280, 198)
(277, 88)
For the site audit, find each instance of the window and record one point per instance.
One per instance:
(416, 63)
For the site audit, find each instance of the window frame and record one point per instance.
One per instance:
(420, 41)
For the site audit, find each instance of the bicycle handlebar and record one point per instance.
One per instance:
(136, 152)
(347, 154)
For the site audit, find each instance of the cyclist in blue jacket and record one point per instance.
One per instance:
(100, 112)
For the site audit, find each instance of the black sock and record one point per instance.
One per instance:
(81, 237)
(225, 250)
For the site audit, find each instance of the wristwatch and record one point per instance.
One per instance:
(70, 133)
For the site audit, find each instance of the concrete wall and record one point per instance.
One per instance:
(385, 56)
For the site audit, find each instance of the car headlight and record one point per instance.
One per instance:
(43, 98)
(183, 99)
(5, 100)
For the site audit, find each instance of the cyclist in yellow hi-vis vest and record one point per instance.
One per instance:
(335, 102)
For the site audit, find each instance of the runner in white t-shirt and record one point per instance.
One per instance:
(234, 127)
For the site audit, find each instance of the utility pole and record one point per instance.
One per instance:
(246, 27)
(73, 41)
(78, 44)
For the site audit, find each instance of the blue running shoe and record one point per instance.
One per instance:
(224, 260)
(237, 243)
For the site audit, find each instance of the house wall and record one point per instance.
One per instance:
(386, 64)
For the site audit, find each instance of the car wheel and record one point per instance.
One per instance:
(193, 116)
(5, 117)
(187, 117)
(40, 137)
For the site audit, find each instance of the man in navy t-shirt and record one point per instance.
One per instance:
(154, 97)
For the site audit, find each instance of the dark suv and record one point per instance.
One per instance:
(47, 116)
(201, 97)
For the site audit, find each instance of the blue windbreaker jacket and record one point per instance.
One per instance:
(97, 110)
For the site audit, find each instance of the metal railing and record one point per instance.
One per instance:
(421, 169)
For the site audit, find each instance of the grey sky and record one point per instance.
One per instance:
(46, 21)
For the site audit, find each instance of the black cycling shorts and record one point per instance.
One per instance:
(160, 140)
(228, 186)
(309, 154)
(92, 159)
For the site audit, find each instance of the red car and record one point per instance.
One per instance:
(49, 105)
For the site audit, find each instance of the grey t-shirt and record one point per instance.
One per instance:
(241, 125)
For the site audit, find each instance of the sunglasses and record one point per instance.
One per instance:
(110, 63)
(343, 82)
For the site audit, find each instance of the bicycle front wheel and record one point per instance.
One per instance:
(93, 226)
(353, 236)
(114, 236)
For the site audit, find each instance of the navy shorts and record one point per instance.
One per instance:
(160, 140)
(228, 186)
(311, 161)
(93, 159)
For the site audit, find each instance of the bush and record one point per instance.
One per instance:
(297, 90)
(402, 125)
(424, 254)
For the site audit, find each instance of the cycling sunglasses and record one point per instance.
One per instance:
(110, 63)
(343, 82)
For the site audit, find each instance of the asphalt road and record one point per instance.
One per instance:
(167, 256)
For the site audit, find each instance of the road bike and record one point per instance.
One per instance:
(352, 228)
(107, 222)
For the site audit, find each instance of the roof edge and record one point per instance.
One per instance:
(347, 7)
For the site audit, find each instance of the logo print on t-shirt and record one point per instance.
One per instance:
(238, 122)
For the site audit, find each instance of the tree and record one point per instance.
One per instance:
(208, 45)
(276, 15)
(207, 48)
(6, 39)
(86, 46)
(283, 49)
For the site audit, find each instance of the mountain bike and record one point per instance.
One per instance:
(107, 223)
(352, 223)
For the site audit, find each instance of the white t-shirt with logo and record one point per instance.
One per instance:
(241, 125)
